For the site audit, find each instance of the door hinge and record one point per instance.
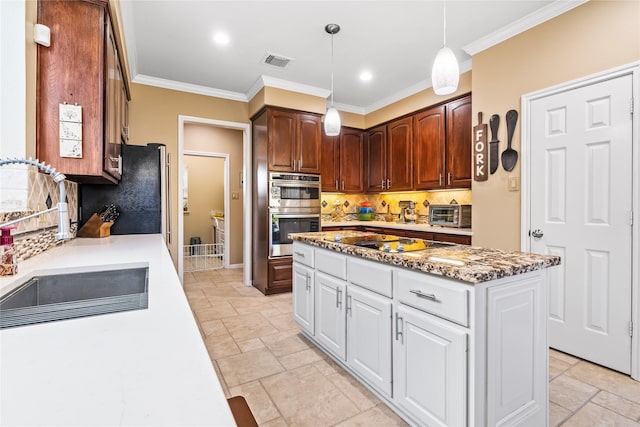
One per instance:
(631, 329)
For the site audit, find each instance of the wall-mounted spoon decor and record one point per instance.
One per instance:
(510, 156)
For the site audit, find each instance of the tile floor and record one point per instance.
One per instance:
(258, 352)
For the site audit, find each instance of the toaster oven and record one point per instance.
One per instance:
(450, 215)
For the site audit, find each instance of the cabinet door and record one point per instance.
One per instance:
(429, 149)
(282, 140)
(426, 235)
(309, 132)
(376, 160)
(459, 143)
(279, 275)
(330, 314)
(112, 158)
(430, 369)
(124, 109)
(452, 238)
(351, 161)
(369, 337)
(303, 297)
(399, 155)
(330, 170)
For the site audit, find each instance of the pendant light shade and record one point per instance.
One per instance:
(445, 73)
(332, 118)
(332, 122)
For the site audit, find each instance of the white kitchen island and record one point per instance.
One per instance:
(146, 368)
(449, 336)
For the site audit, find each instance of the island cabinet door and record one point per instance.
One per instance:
(429, 368)
(330, 319)
(369, 337)
(303, 297)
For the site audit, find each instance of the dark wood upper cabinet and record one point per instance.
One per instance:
(376, 159)
(388, 160)
(399, 155)
(330, 170)
(282, 143)
(428, 148)
(309, 143)
(82, 66)
(459, 142)
(442, 146)
(351, 161)
(343, 162)
(294, 141)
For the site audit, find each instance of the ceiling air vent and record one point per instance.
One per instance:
(276, 60)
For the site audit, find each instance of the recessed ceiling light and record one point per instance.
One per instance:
(221, 38)
(365, 76)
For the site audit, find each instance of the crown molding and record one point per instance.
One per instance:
(191, 88)
(525, 23)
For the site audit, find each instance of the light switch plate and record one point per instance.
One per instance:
(514, 183)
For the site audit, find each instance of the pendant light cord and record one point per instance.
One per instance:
(332, 70)
(444, 27)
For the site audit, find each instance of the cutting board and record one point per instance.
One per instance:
(480, 151)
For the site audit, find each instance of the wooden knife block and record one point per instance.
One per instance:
(95, 227)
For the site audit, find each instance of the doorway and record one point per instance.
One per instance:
(580, 184)
(205, 210)
(237, 222)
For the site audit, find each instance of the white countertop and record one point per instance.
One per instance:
(145, 367)
(401, 226)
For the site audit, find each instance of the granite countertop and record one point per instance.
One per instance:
(401, 226)
(142, 367)
(460, 262)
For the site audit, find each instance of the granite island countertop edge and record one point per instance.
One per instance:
(478, 264)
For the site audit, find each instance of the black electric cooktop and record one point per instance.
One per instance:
(389, 243)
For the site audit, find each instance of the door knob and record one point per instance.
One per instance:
(537, 233)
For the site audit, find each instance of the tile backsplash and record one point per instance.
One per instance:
(345, 206)
(36, 235)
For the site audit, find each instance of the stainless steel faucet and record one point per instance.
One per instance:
(64, 231)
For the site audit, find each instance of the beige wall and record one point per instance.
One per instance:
(154, 118)
(593, 37)
(416, 102)
(212, 139)
(206, 193)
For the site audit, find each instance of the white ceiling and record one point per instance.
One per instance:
(170, 43)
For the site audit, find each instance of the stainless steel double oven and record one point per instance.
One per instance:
(294, 207)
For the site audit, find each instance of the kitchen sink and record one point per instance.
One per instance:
(47, 298)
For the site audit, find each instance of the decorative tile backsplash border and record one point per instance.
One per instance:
(344, 207)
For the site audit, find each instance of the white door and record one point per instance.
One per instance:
(303, 297)
(330, 314)
(581, 202)
(430, 368)
(369, 337)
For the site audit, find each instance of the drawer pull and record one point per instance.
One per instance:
(300, 254)
(338, 298)
(432, 297)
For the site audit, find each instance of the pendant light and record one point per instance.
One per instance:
(332, 118)
(445, 73)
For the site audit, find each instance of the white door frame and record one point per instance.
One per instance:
(632, 69)
(246, 190)
(225, 157)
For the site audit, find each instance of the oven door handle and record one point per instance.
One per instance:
(285, 216)
(296, 184)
